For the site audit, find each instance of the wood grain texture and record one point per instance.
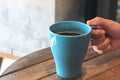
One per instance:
(38, 57)
(112, 74)
(94, 66)
(35, 72)
(29, 60)
(100, 64)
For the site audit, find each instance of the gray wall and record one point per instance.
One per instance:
(24, 25)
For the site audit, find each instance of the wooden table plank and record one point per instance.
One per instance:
(35, 72)
(101, 64)
(29, 60)
(45, 70)
(38, 57)
(113, 74)
(95, 66)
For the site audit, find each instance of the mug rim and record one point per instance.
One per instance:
(69, 35)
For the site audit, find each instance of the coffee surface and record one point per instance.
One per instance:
(69, 33)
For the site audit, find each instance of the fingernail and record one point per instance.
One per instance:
(95, 48)
(88, 22)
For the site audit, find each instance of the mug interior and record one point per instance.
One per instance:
(70, 26)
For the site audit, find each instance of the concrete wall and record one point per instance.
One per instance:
(24, 25)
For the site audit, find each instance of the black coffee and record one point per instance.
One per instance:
(68, 33)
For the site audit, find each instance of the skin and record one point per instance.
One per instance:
(107, 37)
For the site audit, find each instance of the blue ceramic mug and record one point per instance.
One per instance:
(69, 42)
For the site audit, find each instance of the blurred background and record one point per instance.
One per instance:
(83, 10)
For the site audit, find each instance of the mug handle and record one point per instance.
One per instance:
(92, 38)
(93, 28)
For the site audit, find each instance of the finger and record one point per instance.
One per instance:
(97, 33)
(98, 41)
(104, 23)
(103, 45)
(107, 49)
(95, 48)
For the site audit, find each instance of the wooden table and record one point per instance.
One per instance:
(40, 66)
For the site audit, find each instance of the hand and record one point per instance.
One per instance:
(107, 38)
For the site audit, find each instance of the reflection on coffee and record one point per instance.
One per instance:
(68, 33)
